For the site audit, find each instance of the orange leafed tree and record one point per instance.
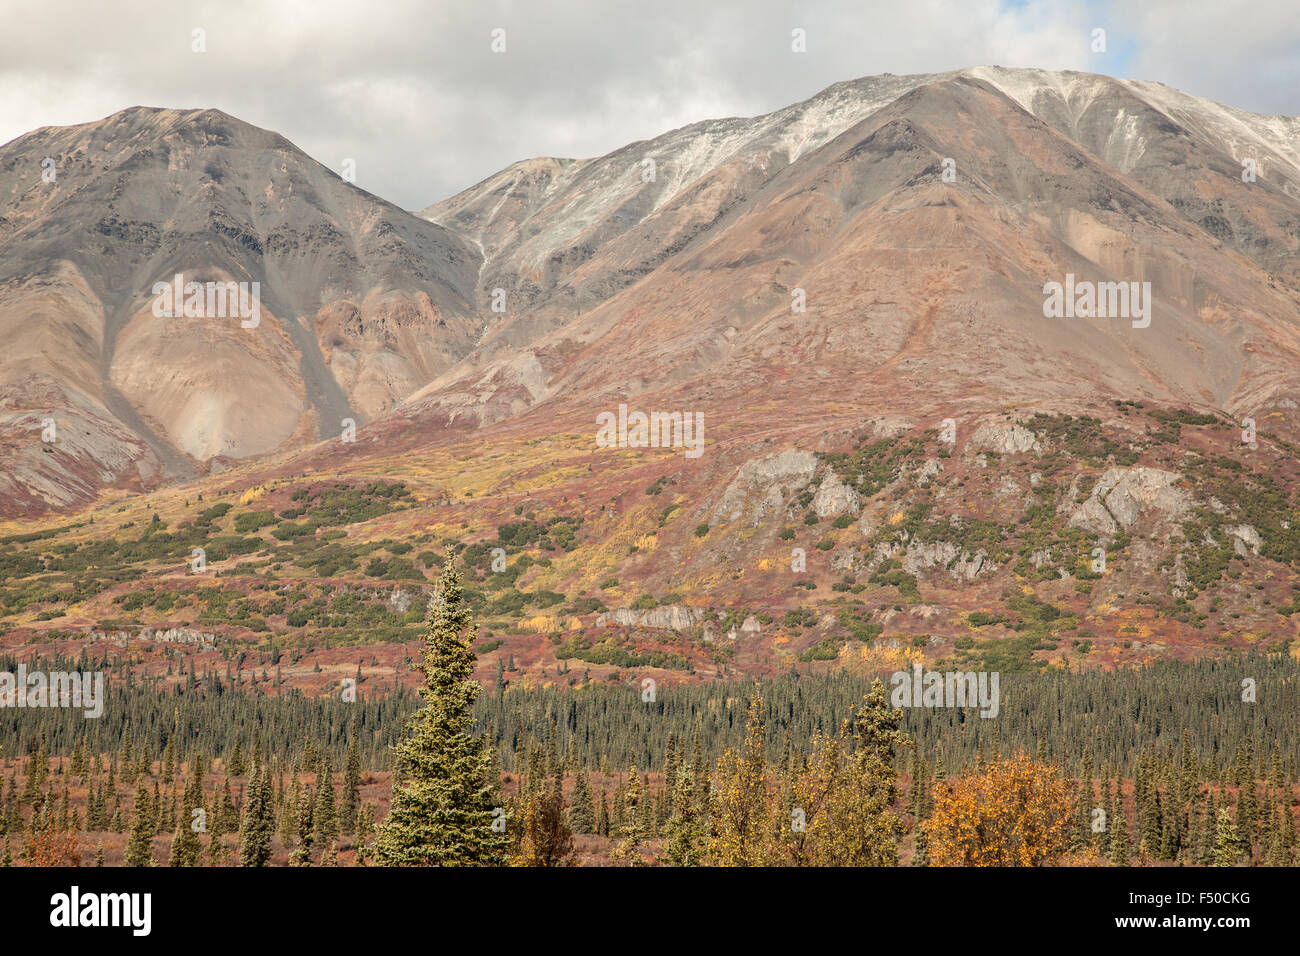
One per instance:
(50, 848)
(1015, 812)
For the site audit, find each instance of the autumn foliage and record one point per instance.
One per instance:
(1013, 812)
(50, 848)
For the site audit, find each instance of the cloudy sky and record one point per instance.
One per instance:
(413, 92)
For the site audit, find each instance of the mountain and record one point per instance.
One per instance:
(843, 196)
(907, 450)
(361, 302)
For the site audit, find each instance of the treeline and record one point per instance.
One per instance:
(202, 711)
(63, 812)
(1110, 716)
(818, 771)
(868, 795)
(1107, 718)
(863, 794)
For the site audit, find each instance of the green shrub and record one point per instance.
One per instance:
(249, 522)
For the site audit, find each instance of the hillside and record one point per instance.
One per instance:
(919, 464)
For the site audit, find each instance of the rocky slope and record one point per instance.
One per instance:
(608, 278)
(361, 303)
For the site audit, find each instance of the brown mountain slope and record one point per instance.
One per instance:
(933, 288)
(361, 303)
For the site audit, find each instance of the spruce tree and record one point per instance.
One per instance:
(1200, 851)
(235, 766)
(671, 761)
(1247, 815)
(1276, 775)
(365, 824)
(1227, 848)
(186, 849)
(1278, 854)
(139, 847)
(582, 814)
(1119, 846)
(258, 821)
(1082, 817)
(685, 829)
(922, 843)
(645, 820)
(226, 811)
(351, 789)
(602, 815)
(303, 813)
(617, 809)
(324, 820)
(444, 793)
(289, 811)
(633, 831)
(700, 772)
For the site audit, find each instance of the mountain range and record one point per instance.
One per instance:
(848, 293)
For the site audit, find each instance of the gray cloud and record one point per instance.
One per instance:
(412, 92)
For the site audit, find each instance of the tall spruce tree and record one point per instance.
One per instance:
(301, 856)
(602, 815)
(445, 790)
(686, 831)
(258, 820)
(1227, 846)
(186, 848)
(351, 788)
(324, 819)
(139, 847)
(582, 812)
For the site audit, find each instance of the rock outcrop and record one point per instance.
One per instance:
(834, 497)
(1245, 540)
(762, 486)
(170, 635)
(1005, 438)
(1121, 495)
(675, 617)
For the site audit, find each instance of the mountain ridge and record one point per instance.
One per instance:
(581, 250)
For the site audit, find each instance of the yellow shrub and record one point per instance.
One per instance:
(253, 494)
